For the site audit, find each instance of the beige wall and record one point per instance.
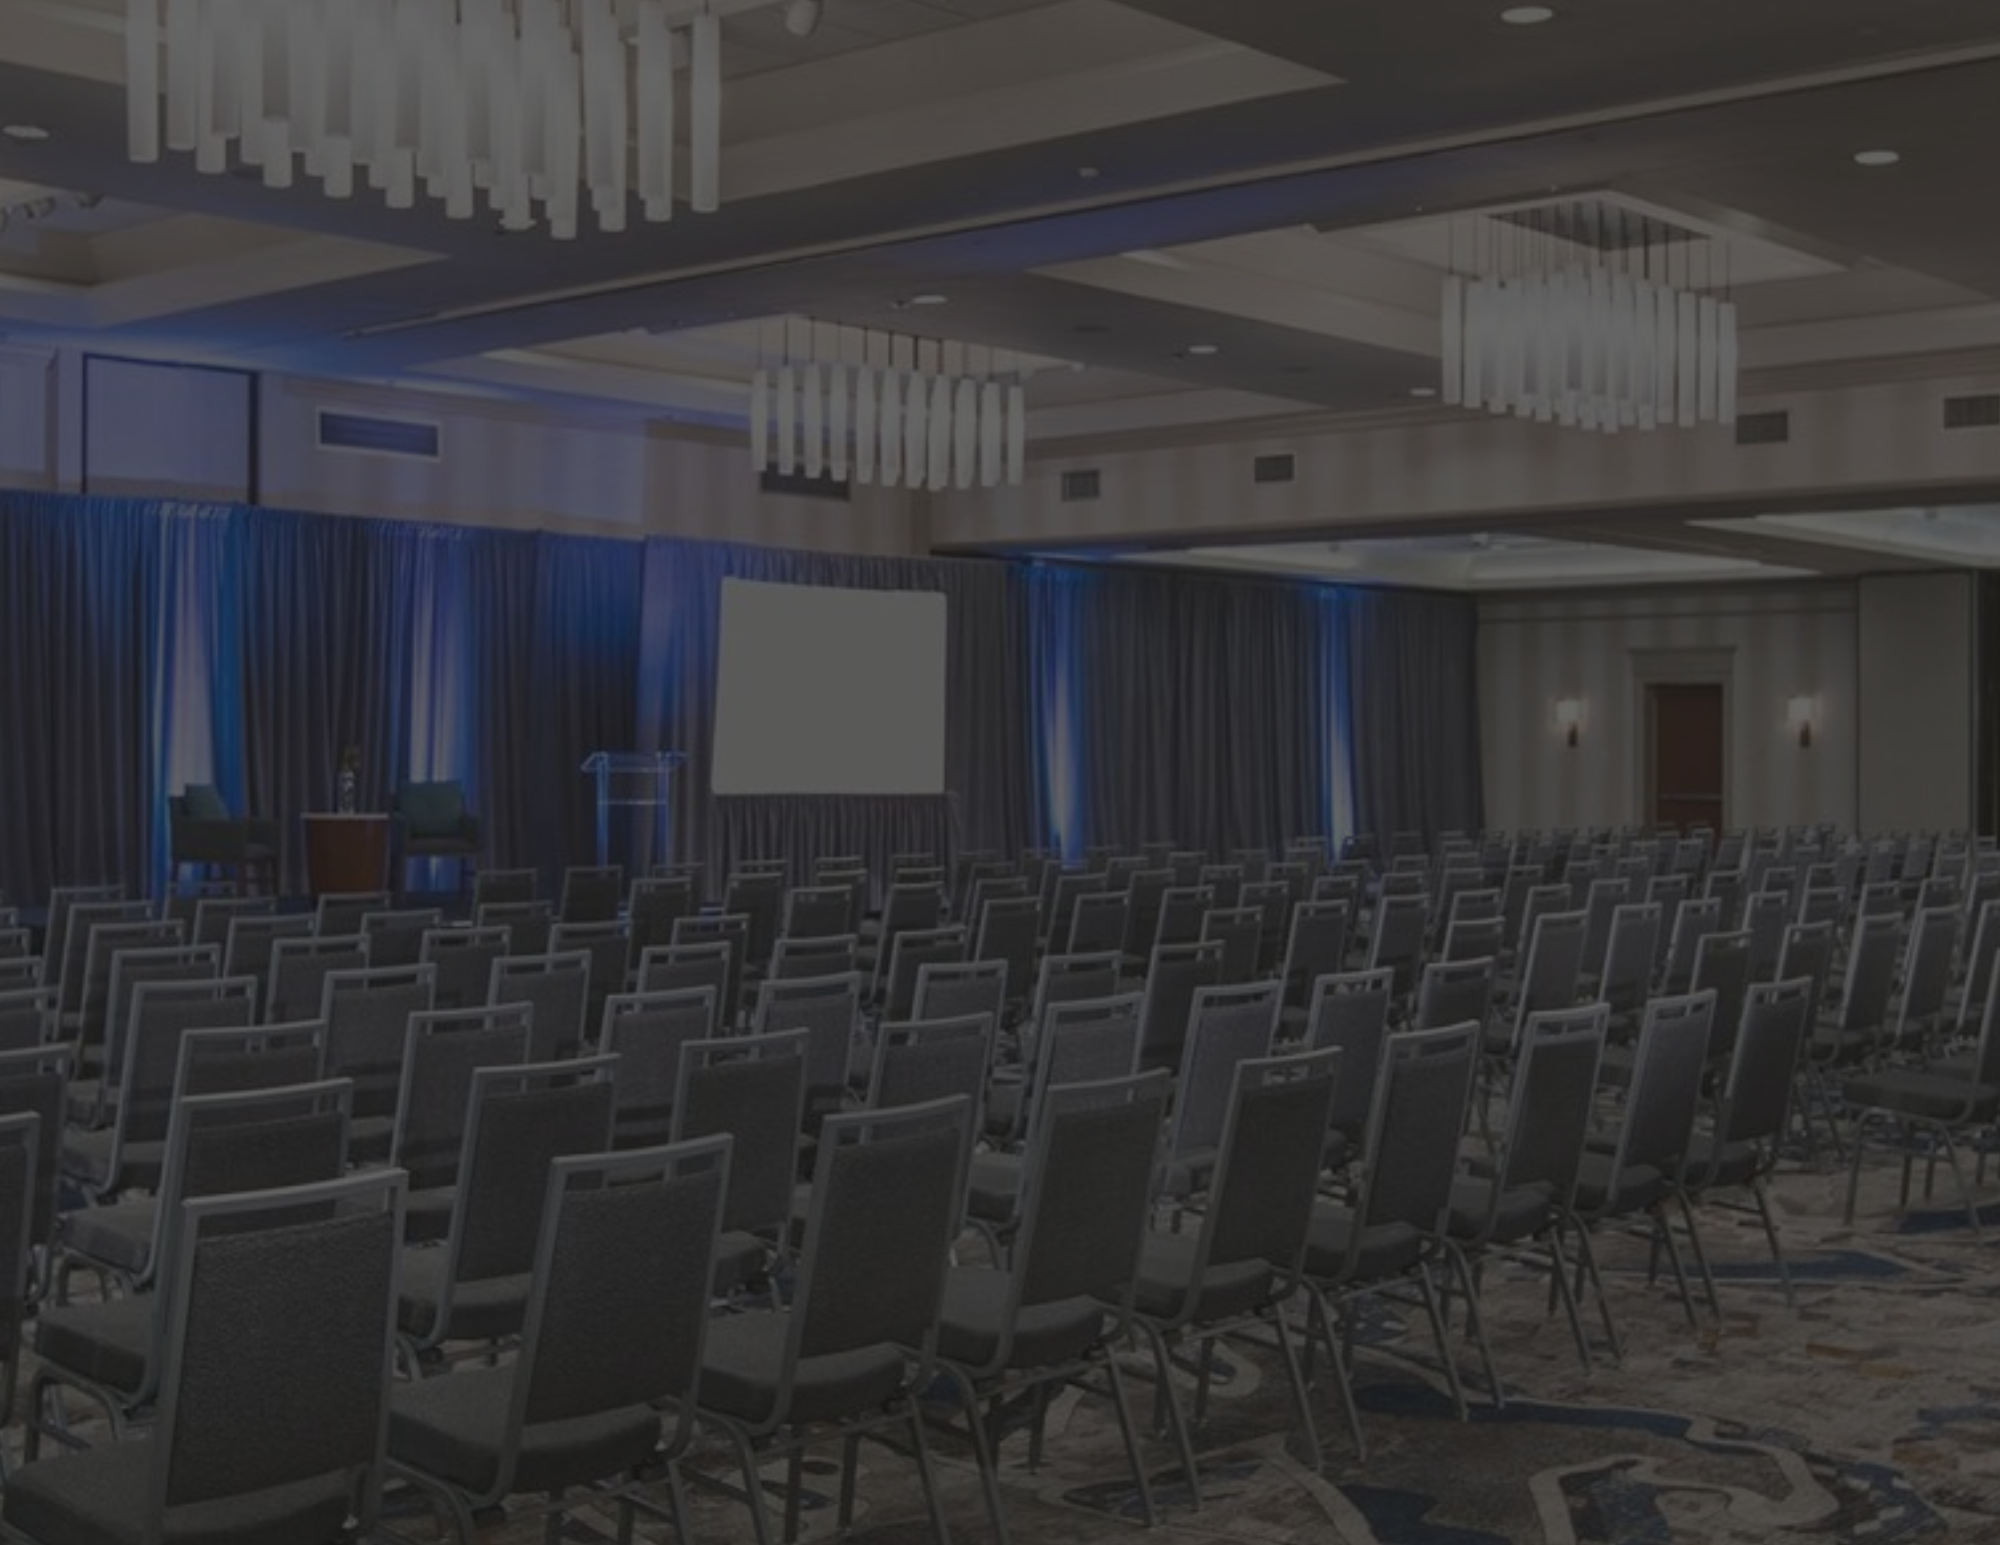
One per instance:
(1917, 638)
(1771, 643)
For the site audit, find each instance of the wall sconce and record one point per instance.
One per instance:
(1569, 718)
(1800, 712)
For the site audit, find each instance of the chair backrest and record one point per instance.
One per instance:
(160, 1014)
(1350, 1014)
(1449, 991)
(299, 968)
(36, 1083)
(1066, 886)
(1722, 966)
(1808, 951)
(1317, 945)
(1066, 978)
(1549, 1104)
(503, 886)
(1926, 971)
(20, 1186)
(646, 1031)
(338, 914)
(63, 901)
(71, 965)
(1010, 929)
(396, 936)
(1667, 1072)
(609, 950)
(828, 1009)
(653, 908)
(461, 960)
(27, 1017)
(1870, 980)
(679, 967)
(591, 893)
(1227, 1025)
(752, 1087)
(619, 1308)
(818, 912)
(885, 1205)
(252, 937)
(442, 1049)
(920, 1060)
(1421, 1091)
(157, 963)
(1239, 930)
(558, 985)
(1757, 1093)
(1976, 973)
(803, 955)
(320, 1263)
(1600, 898)
(1766, 915)
(1099, 921)
(104, 944)
(527, 923)
(1554, 968)
(901, 956)
(1625, 972)
(230, 1060)
(758, 897)
(1694, 919)
(366, 1013)
(946, 989)
(1267, 1167)
(1173, 974)
(213, 914)
(519, 1120)
(1088, 1190)
(733, 927)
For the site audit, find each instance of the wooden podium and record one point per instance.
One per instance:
(346, 853)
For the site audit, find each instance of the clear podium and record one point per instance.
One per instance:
(634, 816)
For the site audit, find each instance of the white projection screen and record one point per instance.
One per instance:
(828, 691)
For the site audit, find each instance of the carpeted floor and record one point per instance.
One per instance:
(1870, 1413)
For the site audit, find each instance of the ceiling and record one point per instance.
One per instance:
(1194, 218)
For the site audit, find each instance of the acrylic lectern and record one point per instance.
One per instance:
(634, 816)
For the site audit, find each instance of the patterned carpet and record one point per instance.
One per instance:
(1870, 1413)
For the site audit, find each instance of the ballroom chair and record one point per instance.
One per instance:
(201, 832)
(429, 820)
(646, 1030)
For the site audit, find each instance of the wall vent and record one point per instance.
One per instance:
(1764, 428)
(1081, 485)
(838, 489)
(380, 436)
(1273, 469)
(1981, 412)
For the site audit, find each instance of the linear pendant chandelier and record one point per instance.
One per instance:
(1589, 316)
(527, 105)
(854, 403)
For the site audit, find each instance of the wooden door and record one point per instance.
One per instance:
(1684, 740)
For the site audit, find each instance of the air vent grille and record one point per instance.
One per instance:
(1764, 428)
(837, 489)
(381, 436)
(1981, 412)
(1081, 485)
(1273, 469)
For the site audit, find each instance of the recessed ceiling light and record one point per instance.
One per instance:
(26, 131)
(1527, 15)
(1087, 173)
(1423, 391)
(1199, 348)
(928, 299)
(1877, 157)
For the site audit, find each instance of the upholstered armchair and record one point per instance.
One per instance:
(201, 830)
(430, 821)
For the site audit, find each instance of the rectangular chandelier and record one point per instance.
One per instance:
(1591, 317)
(847, 402)
(529, 106)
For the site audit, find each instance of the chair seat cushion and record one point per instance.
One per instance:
(1166, 1288)
(973, 1324)
(1923, 1096)
(452, 1427)
(1603, 1191)
(993, 1192)
(107, 1344)
(1334, 1255)
(427, 1213)
(480, 1311)
(119, 1236)
(1522, 1212)
(743, 1359)
(1734, 1165)
(90, 1156)
(742, 1259)
(101, 1497)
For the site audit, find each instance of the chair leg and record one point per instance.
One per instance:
(1307, 1431)
(1122, 1404)
(1438, 1333)
(927, 1475)
(982, 1453)
(1763, 1201)
(753, 1485)
(1321, 1307)
(1700, 1254)
(1559, 1287)
(1475, 1322)
(1164, 1393)
(1861, 1119)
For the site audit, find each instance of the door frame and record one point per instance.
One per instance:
(1680, 668)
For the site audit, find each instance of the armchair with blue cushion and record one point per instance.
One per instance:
(430, 821)
(201, 830)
